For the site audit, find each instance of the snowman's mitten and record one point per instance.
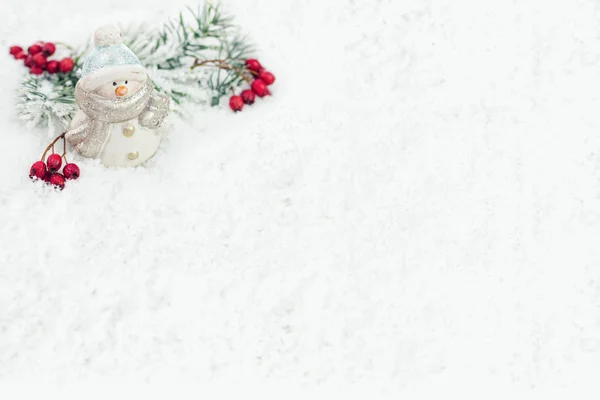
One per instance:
(89, 137)
(156, 112)
(152, 120)
(78, 134)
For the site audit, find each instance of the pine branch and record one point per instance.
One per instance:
(167, 53)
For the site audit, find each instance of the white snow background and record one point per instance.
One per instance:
(416, 210)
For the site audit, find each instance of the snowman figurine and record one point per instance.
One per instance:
(120, 110)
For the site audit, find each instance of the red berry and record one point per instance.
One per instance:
(38, 170)
(52, 66)
(71, 171)
(49, 49)
(14, 50)
(39, 60)
(47, 176)
(34, 49)
(66, 65)
(54, 162)
(248, 96)
(57, 180)
(236, 103)
(20, 56)
(29, 61)
(267, 77)
(260, 88)
(36, 70)
(253, 65)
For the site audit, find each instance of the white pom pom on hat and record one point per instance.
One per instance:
(108, 35)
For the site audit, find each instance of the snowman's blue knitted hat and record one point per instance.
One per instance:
(110, 60)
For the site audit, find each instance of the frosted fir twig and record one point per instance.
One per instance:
(167, 52)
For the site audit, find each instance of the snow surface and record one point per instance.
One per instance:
(416, 210)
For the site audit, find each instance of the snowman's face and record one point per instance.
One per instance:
(119, 89)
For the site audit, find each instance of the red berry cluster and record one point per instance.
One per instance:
(49, 171)
(36, 58)
(259, 86)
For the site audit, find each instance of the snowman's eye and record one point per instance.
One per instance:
(126, 82)
(114, 83)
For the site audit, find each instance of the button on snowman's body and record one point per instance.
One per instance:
(130, 145)
(121, 112)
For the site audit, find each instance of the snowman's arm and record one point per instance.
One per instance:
(78, 118)
(156, 112)
(78, 134)
(88, 138)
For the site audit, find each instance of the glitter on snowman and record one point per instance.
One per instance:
(121, 112)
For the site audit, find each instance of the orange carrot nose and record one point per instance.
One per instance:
(121, 91)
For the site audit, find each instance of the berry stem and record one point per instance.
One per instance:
(197, 63)
(223, 64)
(51, 145)
(64, 45)
(64, 154)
